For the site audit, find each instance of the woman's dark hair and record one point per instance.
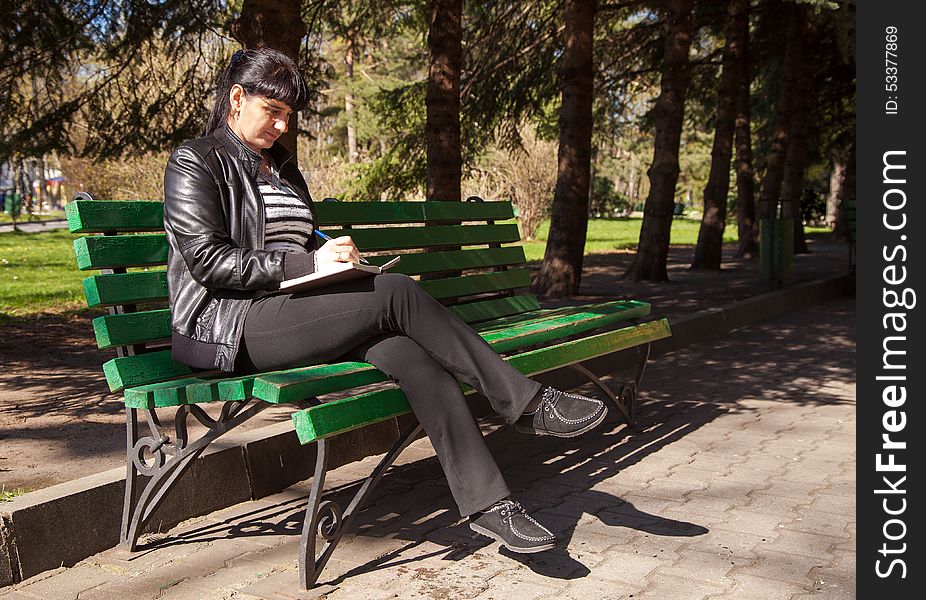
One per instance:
(262, 71)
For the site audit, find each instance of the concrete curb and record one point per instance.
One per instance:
(63, 524)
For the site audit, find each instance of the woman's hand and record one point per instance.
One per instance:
(339, 249)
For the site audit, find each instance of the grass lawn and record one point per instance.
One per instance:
(38, 272)
(50, 215)
(607, 235)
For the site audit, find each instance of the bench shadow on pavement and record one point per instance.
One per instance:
(412, 504)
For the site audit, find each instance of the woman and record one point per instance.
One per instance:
(239, 220)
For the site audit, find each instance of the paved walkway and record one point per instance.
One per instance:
(738, 483)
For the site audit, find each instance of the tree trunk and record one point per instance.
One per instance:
(43, 200)
(847, 197)
(275, 24)
(834, 197)
(653, 250)
(349, 101)
(708, 252)
(561, 270)
(442, 129)
(747, 230)
(797, 156)
(774, 172)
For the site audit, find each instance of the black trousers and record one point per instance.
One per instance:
(388, 321)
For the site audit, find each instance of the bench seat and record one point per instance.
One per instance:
(504, 335)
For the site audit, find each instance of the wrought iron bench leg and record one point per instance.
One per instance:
(327, 518)
(164, 471)
(626, 398)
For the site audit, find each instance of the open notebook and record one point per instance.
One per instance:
(334, 274)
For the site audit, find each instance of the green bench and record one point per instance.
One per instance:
(459, 250)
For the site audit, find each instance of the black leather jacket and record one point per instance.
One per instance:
(216, 266)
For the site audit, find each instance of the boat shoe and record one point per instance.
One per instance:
(507, 522)
(562, 415)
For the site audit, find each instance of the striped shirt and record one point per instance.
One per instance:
(289, 222)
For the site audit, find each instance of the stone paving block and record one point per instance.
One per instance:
(806, 544)
(800, 490)
(592, 588)
(362, 549)
(694, 475)
(738, 547)
(355, 592)
(713, 568)
(812, 521)
(712, 463)
(505, 588)
(695, 521)
(13, 594)
(619, 534)
(143, 587)
(784, 567)
(838, 577)
(66, 583)
(717, 498)
(669, 587)
(438, 578)
(546, 490)
(628, 568)
(787, 507)
(805, 469)
(185, 591)
(238, 573)
(752, 522)
(576, 504)
(748, 478)
(589, 543)
(749, 587)
(670, 489)
(284, 586)
(259, 509)
(659, 547)
(771, 464)
(126, 564)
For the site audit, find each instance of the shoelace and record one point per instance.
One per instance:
(550, 397)
(508, 509)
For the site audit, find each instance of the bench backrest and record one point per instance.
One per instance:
(458, 246)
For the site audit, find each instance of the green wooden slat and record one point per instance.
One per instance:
(465, 285)
(299, 384)
(158, 395)
(97, 216)
(125, 288)
(303, 382)
(549, 314)
(370, 213)
(344, 415)
(543, 330)
(454, 260)
(497, 307)
(397, 238)
(132, 328)
(340, 416)
(190, 390)
(109, 252)
(567, 353)
(131, 371)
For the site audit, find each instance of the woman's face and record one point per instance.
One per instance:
(256, 120)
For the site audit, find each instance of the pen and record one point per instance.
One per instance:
(327, 237)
